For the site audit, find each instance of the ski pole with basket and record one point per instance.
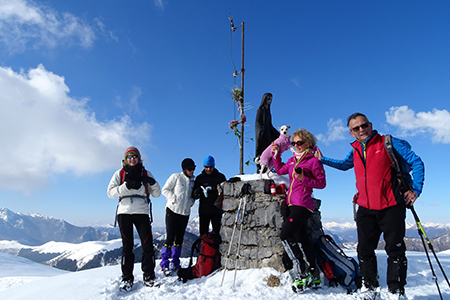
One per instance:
(406, 186)
(424, 237)
(244, 197)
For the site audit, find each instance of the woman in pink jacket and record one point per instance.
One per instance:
(305, 173)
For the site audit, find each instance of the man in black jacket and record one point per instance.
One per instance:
(205, 188)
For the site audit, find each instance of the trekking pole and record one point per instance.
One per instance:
(239, 241)
(231, 240)
(422, 235)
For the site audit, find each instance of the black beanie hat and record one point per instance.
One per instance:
(187, 163)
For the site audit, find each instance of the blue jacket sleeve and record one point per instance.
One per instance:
(415, 163)
(344, 165)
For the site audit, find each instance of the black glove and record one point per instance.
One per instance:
(197, 193)
(209, 190)
(133, 185)
(149, 180)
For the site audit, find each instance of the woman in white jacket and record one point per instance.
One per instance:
(133, 185)
(177, 190)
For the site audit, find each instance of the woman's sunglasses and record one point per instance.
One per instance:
(298, 143)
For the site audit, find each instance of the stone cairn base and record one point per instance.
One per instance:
(260, 243)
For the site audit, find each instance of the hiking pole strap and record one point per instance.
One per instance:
(115, 217)
(150, 213)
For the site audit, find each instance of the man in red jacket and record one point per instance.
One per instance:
(382, 205)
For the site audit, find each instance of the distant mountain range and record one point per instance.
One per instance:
(439, 235)
(57, 243)
(35, 229)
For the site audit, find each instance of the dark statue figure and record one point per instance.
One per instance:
(265, 133)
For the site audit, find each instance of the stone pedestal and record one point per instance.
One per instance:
(260, 245)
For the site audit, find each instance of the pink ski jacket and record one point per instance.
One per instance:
(299, 192)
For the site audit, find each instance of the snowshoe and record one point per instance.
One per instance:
(126, 285)
(167, 272)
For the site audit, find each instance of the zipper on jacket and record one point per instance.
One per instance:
(363, 159)
(293, 176)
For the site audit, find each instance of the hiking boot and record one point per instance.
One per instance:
(126, 285)
(174, 267)
(396, 275)
(149, 279)
(315, 278)
(316, 283)
(369, 271)
(367, 293)
(300, 284)
(167, 272)
(396, 288)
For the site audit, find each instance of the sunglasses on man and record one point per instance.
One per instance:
(362, 126)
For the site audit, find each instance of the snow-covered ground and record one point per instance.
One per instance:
(23, 279)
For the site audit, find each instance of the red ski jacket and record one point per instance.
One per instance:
(377, 187)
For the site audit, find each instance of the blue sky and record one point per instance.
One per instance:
(81, 81)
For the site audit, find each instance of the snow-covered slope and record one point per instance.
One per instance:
(102, 283)
(16, 270)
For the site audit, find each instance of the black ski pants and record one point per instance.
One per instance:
(370, 224)
(294, 228)
(175, 227)
(389, 221)
(144, 229)
(214, 219)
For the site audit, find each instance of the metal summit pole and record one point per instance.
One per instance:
(241, 148)
(241, 96)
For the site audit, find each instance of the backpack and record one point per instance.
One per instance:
(337, 267)
(208, 259)
(402, 168)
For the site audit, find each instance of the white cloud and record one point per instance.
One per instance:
(136, 92)
(436, 122)
(296, 82)
(336, 131)
(160, 3)
(108, 33)
(45, 132)
(24, 23)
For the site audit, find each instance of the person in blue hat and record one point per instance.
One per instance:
(206, 189)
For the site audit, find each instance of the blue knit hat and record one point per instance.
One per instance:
(209, 161)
